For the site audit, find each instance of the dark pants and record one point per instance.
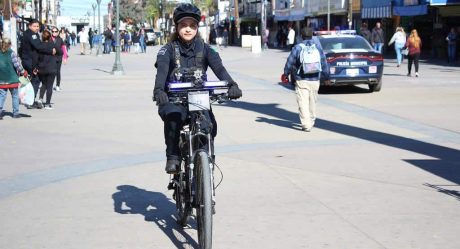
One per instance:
(174, 118)
(58, 73)
(413, 58)
(35, 83)
(47, 86)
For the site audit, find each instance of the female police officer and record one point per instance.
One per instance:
(194, 57)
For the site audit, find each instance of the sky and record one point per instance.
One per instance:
(81, 7)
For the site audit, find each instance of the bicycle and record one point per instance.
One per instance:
(194, 185)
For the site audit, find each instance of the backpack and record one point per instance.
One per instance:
(310, 58)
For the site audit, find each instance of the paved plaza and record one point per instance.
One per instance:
(379, 170)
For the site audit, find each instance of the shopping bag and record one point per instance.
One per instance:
(24, 80)
(26, 94)
(405, 51)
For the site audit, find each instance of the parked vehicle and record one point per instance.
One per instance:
(352, 60)
(151, 36)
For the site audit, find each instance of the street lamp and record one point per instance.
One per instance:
(98, 53)
(117, 67)
(328, 15)
(94, 5)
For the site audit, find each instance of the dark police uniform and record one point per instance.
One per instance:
(195, 58)
(31, 47)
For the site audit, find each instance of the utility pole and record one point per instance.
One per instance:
(94, 5)
(350, 14)
(328, 15)
(237, 20)
(100, 30)
(117, 67)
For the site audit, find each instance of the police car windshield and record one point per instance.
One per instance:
(341, 43)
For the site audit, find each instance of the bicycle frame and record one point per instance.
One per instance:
(195, 135)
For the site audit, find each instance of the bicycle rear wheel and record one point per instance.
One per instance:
(204, 200)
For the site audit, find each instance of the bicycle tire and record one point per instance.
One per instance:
(204, 200)
(182, 207)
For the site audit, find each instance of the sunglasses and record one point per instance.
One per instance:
(55, 31)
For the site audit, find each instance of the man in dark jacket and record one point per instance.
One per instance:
(365, 33)
(31, 47)
(378, 37)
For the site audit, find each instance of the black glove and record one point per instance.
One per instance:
(234, 92)
(161, 97)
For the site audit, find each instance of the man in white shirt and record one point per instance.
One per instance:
(291, 38)
(84, 40)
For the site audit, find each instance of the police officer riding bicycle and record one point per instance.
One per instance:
(185, 58)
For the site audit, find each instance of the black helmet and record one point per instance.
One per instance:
(186, 10)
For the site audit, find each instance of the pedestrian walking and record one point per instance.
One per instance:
(309, 62)
(225, 36)
(136, 42)
(414, 44)
(451, 46)
(73, 37)
(265, 38)
(108, 35)
(186, 57)
(364, 32)
(142, 41)
(399, 39)
(31, 48)
(84, 41)
(90, 39)
(127, 41)
(290, 38)
(378, 37)
(10, 66)
(61, 56)
(47, 68)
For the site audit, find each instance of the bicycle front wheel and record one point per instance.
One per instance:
(204, 200)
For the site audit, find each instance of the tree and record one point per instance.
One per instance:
(132, 11)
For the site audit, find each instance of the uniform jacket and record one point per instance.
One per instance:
(165, 63)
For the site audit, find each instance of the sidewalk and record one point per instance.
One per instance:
(379, 170)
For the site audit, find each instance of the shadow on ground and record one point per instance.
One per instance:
(155, 207)
(444, 164)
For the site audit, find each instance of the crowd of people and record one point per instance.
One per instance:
(136, 39)
(40, 58)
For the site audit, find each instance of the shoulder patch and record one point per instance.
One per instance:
(34, 37)
(163, 51)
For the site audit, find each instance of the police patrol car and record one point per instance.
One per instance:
(351, 59)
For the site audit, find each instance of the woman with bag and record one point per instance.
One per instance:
(414, 44)
(399, 38)
(10, 65)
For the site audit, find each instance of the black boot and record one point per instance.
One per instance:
(172, 166)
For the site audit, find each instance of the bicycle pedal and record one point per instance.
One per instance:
(171, 186)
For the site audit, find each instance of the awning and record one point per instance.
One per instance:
(290, 15)
(444, 2)
(297, 15)
(375, 9)
(414, 10)
(376, 12)
(282, 15)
